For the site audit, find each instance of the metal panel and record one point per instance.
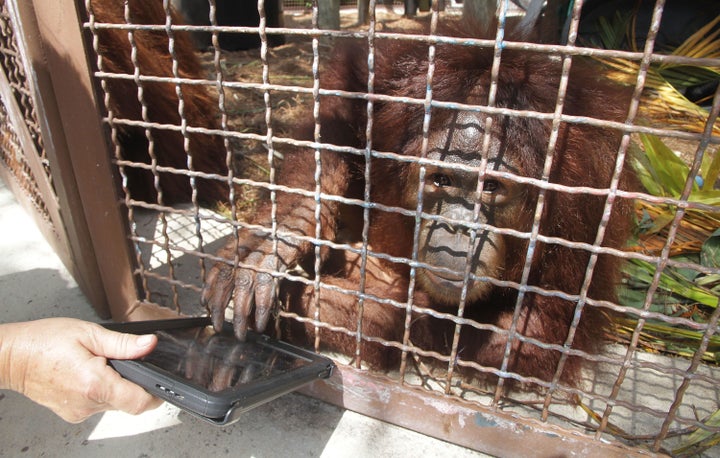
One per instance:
(483, 429)
(69, 233)
(86, 145)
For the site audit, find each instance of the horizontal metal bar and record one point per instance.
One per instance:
(420, 38)
(481, 428)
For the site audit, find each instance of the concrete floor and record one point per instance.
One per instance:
(34, 284)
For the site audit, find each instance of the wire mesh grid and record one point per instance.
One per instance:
(13, 65)
(645, 399)
(11, 156)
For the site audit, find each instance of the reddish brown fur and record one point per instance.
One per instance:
(200, 107)
(584, 156)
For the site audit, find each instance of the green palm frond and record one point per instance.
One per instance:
(662, 101)
(681, 292)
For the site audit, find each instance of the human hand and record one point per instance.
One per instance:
(61, 363)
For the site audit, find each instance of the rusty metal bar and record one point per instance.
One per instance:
(317, 156)
(427, 116)
(439, 39)
(367, 171)
(715, 317)
(640, 82)
(477, 427)
(385, 98)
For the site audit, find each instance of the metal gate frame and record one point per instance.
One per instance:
(91, 236)
(64, 226)
(93, 241)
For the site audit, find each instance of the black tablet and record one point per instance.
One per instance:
(212, 375)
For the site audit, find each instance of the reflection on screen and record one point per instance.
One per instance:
(217, 361)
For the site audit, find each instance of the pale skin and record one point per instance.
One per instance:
(61, 363)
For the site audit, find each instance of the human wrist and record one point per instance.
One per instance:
(13, 360)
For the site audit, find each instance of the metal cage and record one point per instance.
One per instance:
(140, 257)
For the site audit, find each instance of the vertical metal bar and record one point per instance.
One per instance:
(117, 151)
(484, 154)
(367, 171)
(318, 171)
(151, 152)
(620, 160)
(427, 106)
(715, 317)
(533, 237)
(712, 326)
(269, 139)
(477, 207)
(229, 159)
(186, 139)
(632, 347)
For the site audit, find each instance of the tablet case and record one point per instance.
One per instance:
(224, 406)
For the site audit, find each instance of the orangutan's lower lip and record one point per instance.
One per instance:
(446, 280)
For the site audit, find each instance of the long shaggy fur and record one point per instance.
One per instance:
(584, 156)
(206, 152)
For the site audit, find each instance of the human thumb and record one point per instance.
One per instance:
(118, 345)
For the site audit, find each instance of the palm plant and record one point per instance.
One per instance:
(664, 101)
(682, 292)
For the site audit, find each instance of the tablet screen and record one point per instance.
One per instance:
(218, 361)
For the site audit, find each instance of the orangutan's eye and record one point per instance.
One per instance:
(491, 186)
(440, 180)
